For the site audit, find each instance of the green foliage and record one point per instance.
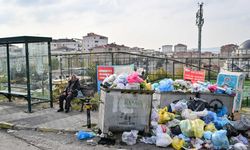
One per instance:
(157, 75)
(91, 71)
(95, 101)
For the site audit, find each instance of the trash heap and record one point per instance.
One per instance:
(182, 128)
(181, 124)
(135, 82)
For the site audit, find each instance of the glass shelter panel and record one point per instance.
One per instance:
(39, 70)
(3, 68)
(17, 61)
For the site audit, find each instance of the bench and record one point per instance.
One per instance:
(17, 94)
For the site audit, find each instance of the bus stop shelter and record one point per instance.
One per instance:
(25, 69)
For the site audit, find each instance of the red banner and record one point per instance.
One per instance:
(104, 72)
(193, 75)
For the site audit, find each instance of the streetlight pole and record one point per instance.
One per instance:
(199, 23)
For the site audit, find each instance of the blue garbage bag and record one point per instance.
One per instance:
(220, 140)
(220, 122)
(207, 135)
(166, 85)
(223, 111)
(210, 117)
(82, 135)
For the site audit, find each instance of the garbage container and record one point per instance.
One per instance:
(227, 100)
(124, 110)
(166, 98)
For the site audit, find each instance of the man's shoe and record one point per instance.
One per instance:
(59, 110)
(67, 110)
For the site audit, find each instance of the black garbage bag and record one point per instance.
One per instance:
(197, 105)
(231, 131)
(176, 130)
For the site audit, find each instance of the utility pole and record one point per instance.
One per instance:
(199, 23)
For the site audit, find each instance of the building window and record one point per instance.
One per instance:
(96, 41)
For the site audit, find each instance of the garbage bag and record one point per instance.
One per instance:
(231, 131)
(179, 106)
(207, 135)
(133, 86)
(163, 140)
(197, 143)
(188, 114)
(243, 124)
(210, 127)
(239, 146)
(82, 135)
(183, 137)
(161, 129)
(149, 140)
(108, 81)
(134, 78)
(192, 128)
(176, 130)
(220, 140)
(242, 139)
(177, 143)
(220, 122)
(155, 86)
(166, 85)
(130, 137)
(222, 112)
(212, 88)
(173, 123)
(165, 116)
(210, 117)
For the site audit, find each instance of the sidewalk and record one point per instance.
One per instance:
(44, 119)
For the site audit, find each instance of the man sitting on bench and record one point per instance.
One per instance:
(69, 93)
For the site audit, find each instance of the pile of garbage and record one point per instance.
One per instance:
(134, 81)
(182, 128)
(125, 81)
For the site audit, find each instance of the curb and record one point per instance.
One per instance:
(6, 125)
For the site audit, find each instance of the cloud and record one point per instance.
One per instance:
(144, 23)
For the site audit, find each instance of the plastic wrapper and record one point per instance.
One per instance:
(177, 143)
(210, 127)
(220, 140)
(192, 128)
(165, 116)
(242, 139)
(130, 137)
(163, 140)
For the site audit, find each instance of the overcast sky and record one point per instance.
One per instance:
(142, 23)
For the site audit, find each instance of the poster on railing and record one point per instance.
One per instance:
(105, 71)
(193, 75)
